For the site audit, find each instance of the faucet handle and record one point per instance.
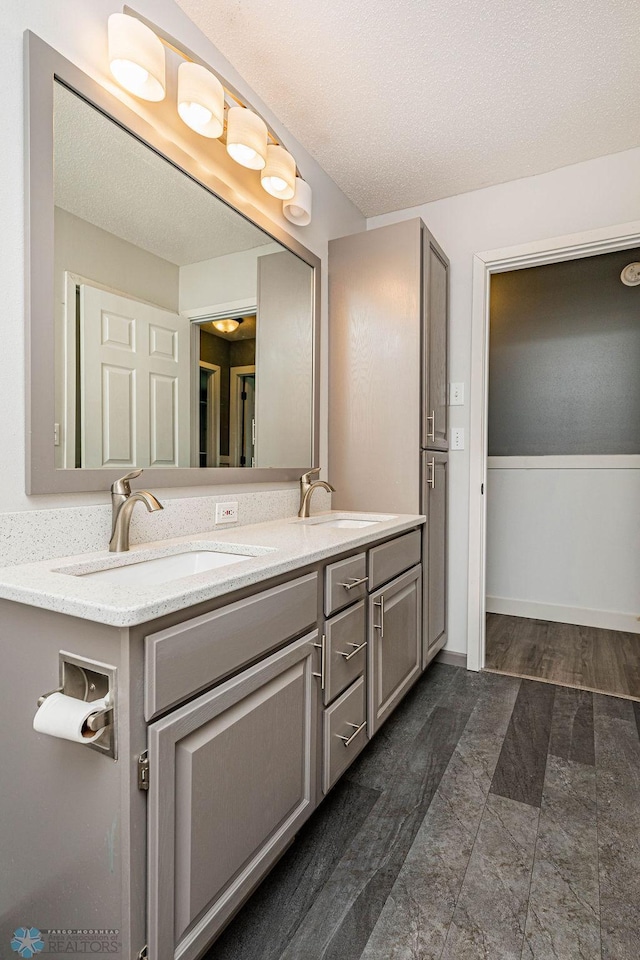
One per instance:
(122, 486)
(306, 477)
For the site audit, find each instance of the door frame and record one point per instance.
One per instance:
(553, 250)
(235, 374)
(213, 403)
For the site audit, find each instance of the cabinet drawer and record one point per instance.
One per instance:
(341, 587)
(393, 558)
(344, 721)
(346, 642)
(191, 656)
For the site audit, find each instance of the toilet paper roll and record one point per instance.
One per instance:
(66, 717)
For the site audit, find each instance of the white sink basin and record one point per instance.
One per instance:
(163, 569)
(348, 523)
(344, 521)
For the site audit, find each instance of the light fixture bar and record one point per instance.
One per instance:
(253, 144)
(172, 44)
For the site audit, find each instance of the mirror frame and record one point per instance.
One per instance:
(44, 66)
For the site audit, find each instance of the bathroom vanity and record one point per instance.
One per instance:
(235, 675)
(239, 696)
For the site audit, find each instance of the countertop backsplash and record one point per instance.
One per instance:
(31, 535)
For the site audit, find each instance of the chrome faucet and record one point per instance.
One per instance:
(122, 504)
(307, 488)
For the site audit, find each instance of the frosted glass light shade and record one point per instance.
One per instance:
(136, 57)
(226, 326)
(279, 175)
(298, 209)
(246, 138)
(200, 100)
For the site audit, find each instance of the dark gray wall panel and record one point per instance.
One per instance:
(565, 359)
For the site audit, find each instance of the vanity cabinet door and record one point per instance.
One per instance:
(435, 420)
(395, 644)
(435, 589)
(232, 779)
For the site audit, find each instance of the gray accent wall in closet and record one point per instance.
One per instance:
(565, 359)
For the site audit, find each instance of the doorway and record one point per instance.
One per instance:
(538, 631)
(242, 416)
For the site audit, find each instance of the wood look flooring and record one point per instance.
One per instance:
(491, 818)
(589, 658)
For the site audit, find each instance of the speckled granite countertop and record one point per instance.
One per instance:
(276, 547)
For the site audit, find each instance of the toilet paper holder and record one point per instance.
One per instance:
(90, 680)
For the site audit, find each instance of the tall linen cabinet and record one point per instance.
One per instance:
(388, 384)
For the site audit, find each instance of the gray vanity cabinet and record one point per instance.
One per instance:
(232, 719)
(388, 383)
(395, 647)
(435, 633)
(233, 779)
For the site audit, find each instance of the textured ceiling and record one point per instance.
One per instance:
(106, 176)
(406, 101)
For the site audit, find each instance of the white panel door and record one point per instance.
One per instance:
(134, 383)
(284, 356)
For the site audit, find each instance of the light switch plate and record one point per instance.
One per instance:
(457, 438)
(456, 394)
(227, 512)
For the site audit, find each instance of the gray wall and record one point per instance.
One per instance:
(565, 359)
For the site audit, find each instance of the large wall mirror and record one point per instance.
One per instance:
(169, 329)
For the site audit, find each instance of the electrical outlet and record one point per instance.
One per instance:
(227, 512)
(456, 394)
(457, 438)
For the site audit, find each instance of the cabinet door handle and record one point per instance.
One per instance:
(358, 648)
(322, 647)
(431, 475)
(380, 626)
(347, 740)
(353, 582)
(431, 434)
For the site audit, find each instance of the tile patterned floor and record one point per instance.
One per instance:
(492, 818)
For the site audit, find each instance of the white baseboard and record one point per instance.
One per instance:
(607, 619)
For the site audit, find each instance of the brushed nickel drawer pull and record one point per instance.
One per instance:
(322, 647)
(358, 648)
(380, 626)
(353, 582)
(431, 434)
(431, 467)
(347, 740)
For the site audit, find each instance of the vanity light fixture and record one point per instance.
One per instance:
(200, 100)
(298, 209)
(226, 326)
(247, 138)
(279, 175)
(207, 106)
(136, 57)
